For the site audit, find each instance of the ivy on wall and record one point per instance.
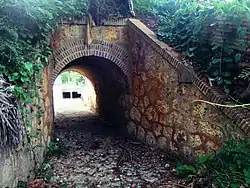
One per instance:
(25, 30)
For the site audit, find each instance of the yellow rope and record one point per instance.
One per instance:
(224, 105)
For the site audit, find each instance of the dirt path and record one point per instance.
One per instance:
(97, 157)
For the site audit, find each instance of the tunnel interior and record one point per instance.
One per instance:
(110, 85)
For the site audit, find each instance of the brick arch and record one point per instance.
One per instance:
(103, 49)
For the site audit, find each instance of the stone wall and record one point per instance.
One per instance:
(90, 95)
(162, 113)
(15, 164)
(18, 163)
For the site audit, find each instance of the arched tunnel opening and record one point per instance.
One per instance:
(97, 152)
(109, 85)
(96, 149)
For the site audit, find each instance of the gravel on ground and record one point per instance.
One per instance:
(96, 156)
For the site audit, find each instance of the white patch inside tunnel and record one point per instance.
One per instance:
(73, 93)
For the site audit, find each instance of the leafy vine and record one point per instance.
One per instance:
(26, 27)
(211, 34)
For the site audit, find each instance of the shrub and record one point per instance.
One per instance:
(147, 6)
(210, 34)
(227, 167)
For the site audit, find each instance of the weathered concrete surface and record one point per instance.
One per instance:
(15, 164)
(68, 33)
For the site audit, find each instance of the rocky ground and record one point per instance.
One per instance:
(96, 156)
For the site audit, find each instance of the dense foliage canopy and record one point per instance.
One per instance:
(213, 35)
(25, 30)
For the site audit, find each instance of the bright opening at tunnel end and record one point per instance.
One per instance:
(73, 93)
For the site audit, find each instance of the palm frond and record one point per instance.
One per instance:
(10, 118)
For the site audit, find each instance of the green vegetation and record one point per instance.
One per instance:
(72, 78)
(26, 27)
(210, 34)
(102, 10)
(147, 6)
(55, 148)
(25, 30)
(44, 170)
(227, 167)
(22, 184)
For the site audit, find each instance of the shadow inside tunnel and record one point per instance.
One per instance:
(88, 123)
